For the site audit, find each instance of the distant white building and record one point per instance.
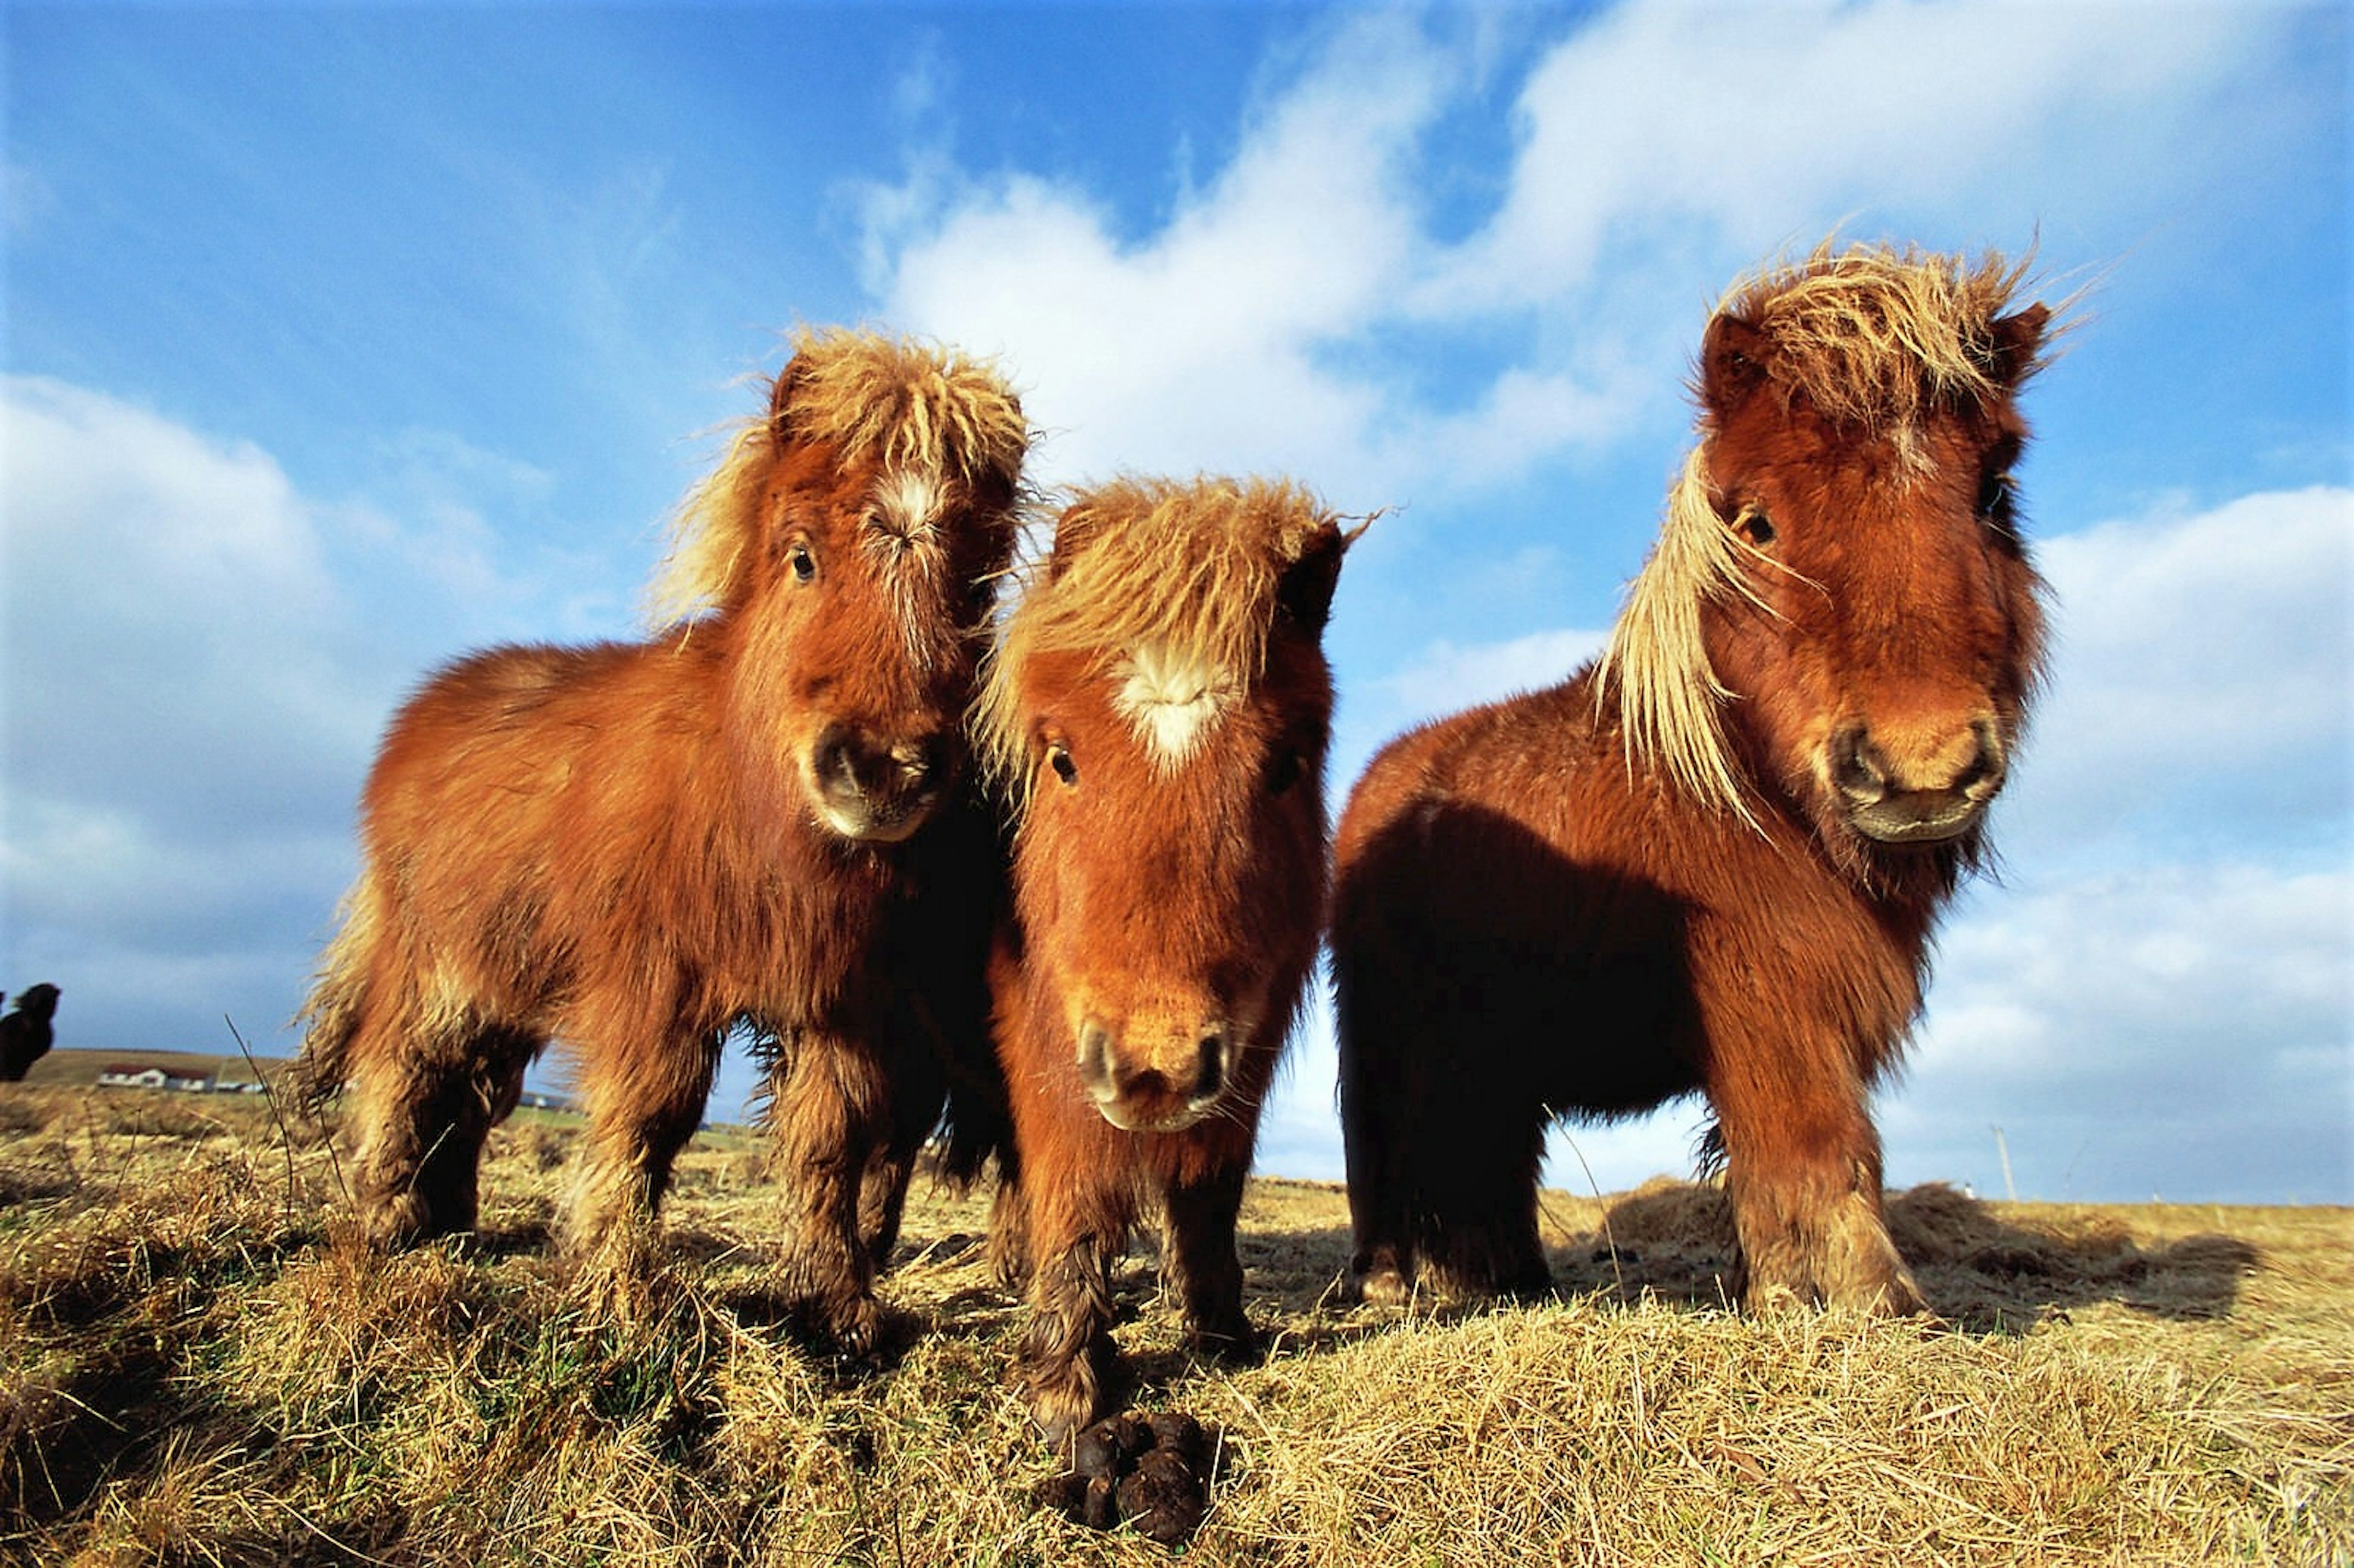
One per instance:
(121, 1076)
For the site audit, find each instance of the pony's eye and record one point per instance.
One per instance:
(1753, 525)
(1994, 494)
(804, 565)
(1059, 758)
(1283, 771)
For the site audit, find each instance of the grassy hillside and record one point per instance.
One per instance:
(70, 1067)
(197, 1366)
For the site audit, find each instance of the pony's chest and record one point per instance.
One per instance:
(797, 944)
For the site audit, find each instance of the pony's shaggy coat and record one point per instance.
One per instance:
(634, 849)
(1713, 860)
(1157, 711)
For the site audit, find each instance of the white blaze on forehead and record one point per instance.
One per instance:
(908, 501)
(1172, 699)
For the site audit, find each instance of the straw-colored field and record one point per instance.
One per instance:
(194, 1367)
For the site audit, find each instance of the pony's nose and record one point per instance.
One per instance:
(1915, 787)
(871, 788)
(1154, 1090)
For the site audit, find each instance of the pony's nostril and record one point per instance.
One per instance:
(1210, 1067)
(920, 759)
(836, 759)
(1095, 1060)
(1856, 767)
(1984, 774)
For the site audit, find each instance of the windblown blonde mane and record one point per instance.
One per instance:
(919, 407)
(1191, 568)
(1879, 337)
(1656, 662)
(1870, 336)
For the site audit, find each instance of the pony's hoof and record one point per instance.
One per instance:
(1062, 1408)
(1236, 1345)
(1384, 1286)
(854, 1327)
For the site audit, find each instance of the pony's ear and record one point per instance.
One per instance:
(780, 395)
(1731, 362)
(1077, 521)
(2017, 338)
(1304, 596)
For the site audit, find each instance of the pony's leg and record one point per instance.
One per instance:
(1199, 1258)
(1076, 1230)
(1802, 1165)
(1009, 1229)
(1378, 1152)
(919, 1088)
(643, 1109)
(423, 1112)
(829, 1116)
(1443, 1146)
(1474, 1220)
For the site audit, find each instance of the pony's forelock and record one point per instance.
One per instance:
(924, 410)
(1188, 571)
(1879, 337)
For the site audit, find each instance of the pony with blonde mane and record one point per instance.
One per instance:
(633, 849)
(1713, 860)
(1157, 709)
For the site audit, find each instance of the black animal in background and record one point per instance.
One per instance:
(24, 1034)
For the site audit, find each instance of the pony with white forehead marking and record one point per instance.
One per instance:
(1713, 860)
(633, 848)
(1158, 707)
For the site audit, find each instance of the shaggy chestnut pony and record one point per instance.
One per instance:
(1157, 708)
(633, 848)
(1711, 860)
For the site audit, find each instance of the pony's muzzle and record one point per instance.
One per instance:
(1165, 1087)
(1917, 789)
(875, 789)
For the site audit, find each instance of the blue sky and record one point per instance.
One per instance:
(340, 341)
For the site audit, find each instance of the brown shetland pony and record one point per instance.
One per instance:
(631, 849)
(1711, 861)
(1158, 707)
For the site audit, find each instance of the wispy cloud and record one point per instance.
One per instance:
(2128, 1028)
(1727, 124)
(2200, 690)
(1255, 327)
(1202, 347)
(195, 684)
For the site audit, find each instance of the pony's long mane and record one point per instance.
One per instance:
(1191, 568)
(1870, 337)
(916, 406)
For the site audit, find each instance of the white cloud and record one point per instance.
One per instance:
(168, 599)
(2202, 684)
(1447, 678)
(1199, 348)
(2103, 1022)
(195, 678)
(1658, 144)
(1746, 119)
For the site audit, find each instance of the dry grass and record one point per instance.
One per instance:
(197, 1367)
